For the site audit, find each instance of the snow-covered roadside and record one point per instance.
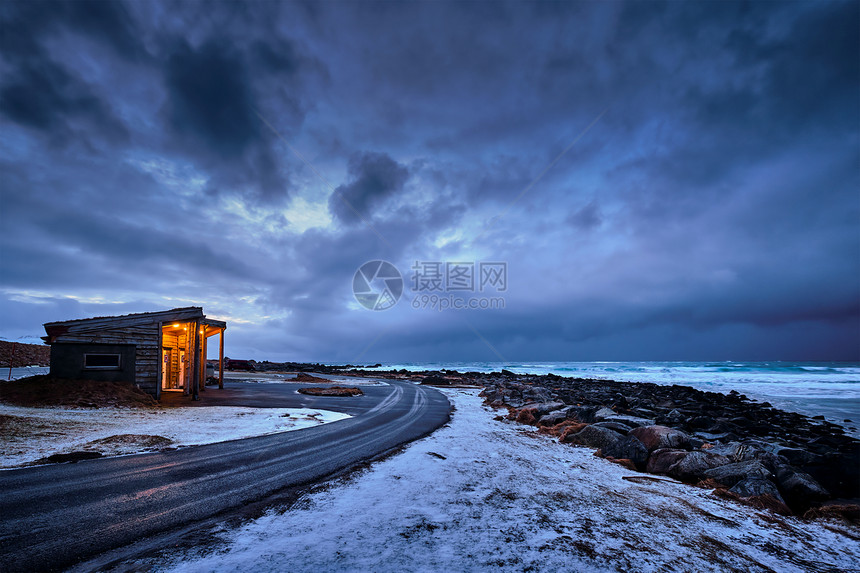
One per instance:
(29, 434)
(485, 494)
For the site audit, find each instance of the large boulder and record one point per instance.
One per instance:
(798, 488)
(622, 429)
(761, 493)
(838, 471)
(694, 465)
(595, 437)
(756, 486)
(583, 413)
(542, 408)
(701, 422)
(555, 417)
(750, 450)
(660, 437)
(798, 456)
(627, 448)
(732, 473)
(537, 394)
(661, 460)
(604, 413)
(607, 415)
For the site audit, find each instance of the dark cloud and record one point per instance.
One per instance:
(108, 22)
(39, 92)
(42, 95)
(210, 100)
(213, 115)
(373, 178)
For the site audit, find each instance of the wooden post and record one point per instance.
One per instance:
(189, 364)
(158, 371)
(195, 374)
(221, 360)
(203, 355)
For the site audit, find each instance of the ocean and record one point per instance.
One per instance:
(830, 389)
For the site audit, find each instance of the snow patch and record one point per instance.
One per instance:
(33, 433)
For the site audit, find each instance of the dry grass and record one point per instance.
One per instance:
(45, 391)
(303, 377)
(710, 483)
(765, 501)
(847, 512)
(137, 440)
(527, 416)
(332, 391)
(624, 462)
(559, 429)
(570, 431)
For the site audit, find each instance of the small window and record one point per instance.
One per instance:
(102, 361)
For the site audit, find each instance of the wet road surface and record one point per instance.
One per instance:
(54, 516)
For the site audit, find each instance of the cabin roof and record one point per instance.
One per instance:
(139, 319)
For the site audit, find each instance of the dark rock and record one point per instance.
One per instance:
(695, 465)
(555, 417)
(436, 380)
(761, 493)
(701, 422)
(622, 429)
(754, 486)
(621, 401)
(543, 408)
(603, 413)
(710, 437)
(839, 472)
(735, 451)
(628, 448)
(799, 489)
(696, 443)
(660, 437)
(584, 414)
(661, 460)
(607, 415)
(732, 473)
(509, 374)
(538, 394)
(595, 437)
(675, 417)
(750, 450)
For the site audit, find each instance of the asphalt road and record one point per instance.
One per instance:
(54, 516)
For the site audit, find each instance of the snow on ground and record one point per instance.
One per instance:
(490, 494)
(32, 433)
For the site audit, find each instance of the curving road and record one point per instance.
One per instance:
(53, 516)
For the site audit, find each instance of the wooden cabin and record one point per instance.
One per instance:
(157, 351)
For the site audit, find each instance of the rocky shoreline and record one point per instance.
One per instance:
(743, 450)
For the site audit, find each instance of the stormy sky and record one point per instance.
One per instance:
(663, 180)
